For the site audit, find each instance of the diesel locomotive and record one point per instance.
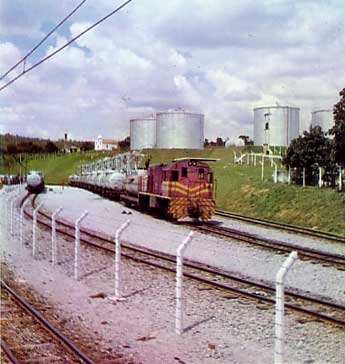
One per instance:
(179, 189)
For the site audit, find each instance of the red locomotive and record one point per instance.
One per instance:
(180, 189)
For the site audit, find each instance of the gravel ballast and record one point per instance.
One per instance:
(142, 326)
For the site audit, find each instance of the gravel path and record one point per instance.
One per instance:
(142, 326)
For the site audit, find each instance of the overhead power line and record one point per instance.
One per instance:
(65, 45)
(23, 60)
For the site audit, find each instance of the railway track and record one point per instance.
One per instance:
(238, 287)
(282, 226)
(336, 260)
(27, 337)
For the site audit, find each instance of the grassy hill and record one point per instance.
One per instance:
(239, 188)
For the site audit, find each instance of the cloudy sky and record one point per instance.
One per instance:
(220, 57)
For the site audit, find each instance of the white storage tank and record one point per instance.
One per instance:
(322, 118)
(142, 133)
(275, 125)
(180, 129)
(234, 142)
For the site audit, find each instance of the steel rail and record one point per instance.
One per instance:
(9, 353)
(283, 226)
(207, 269)
(274, 244)
(46, 324)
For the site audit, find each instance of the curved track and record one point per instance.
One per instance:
(281, 226)
(23, 312)
(319, 309)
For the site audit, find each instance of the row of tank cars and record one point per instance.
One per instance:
(179, 189)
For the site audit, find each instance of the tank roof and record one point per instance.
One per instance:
(179, 112)
(276, 107)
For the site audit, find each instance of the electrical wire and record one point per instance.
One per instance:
(24, 59)
(65, 45)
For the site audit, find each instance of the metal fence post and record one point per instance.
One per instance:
(54, 247)
(179, 280)
(13, 200)
(77, 244)
(118, 233)
(21, 222)
(279, 316)
(34, 224)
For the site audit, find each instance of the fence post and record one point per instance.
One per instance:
(340, 188)
(7, 211)
(118, 233)
(279, 316)
(34, 224)
(179, 280)
(262, 167)
(303, 177)
(21, 222)
(77, 244)
(320, 177)
(12, 199)
(54, 248)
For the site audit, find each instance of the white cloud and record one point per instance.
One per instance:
(219, 57)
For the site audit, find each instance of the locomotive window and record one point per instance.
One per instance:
(165, 176)
(210, 178)
(184, 172)
(174, 175)
(201, 173)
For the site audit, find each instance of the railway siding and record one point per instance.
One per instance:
(141, 326)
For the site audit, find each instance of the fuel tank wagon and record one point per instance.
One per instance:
(35, 182)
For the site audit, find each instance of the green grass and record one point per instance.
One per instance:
(239, 188)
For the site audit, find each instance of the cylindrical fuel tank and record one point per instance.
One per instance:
(132, 182)
(34, 178)
(180, 129)
(142, 133)
(116, 181)
(322, 118)
(275, 125)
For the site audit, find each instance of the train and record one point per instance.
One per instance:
(182, 188)
(35, 182)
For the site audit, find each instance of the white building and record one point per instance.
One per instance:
(105, 144)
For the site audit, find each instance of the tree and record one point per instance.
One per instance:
(123, 144)
(246, 139)
(12, 149)
(220, 142)
(339, 130)
(310, 151)
(206, 143)
(50, 147)
(87, 146)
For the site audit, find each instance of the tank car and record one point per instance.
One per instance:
(35, 182)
